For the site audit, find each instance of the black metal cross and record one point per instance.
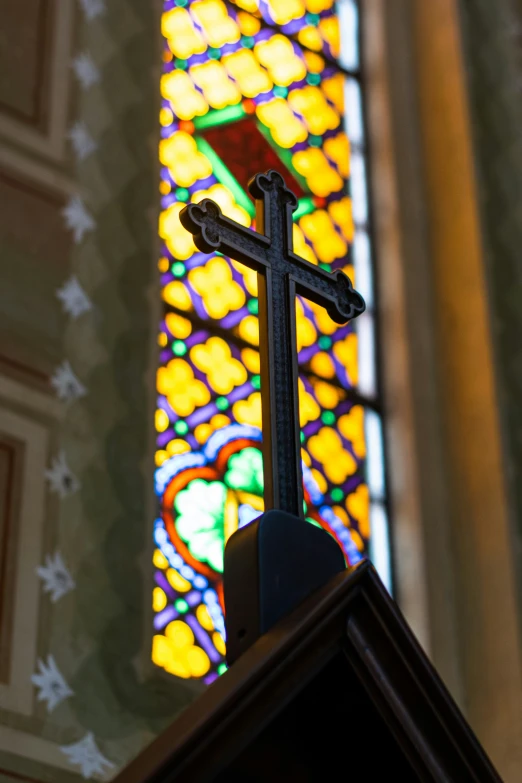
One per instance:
(281, 275)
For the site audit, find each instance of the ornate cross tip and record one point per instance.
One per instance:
(263, 184)
(202, 221)
(349, 303)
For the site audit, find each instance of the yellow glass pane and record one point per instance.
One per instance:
(321, 178)
(204, 618)
(231, 519)
(325, 324)
(215, 359)
(179, 633)
(245, 69)
(176, 294)
(178, 326)
(314, 62)
(316, 6)
(248, 24)
(321, 364)
(248, 5)
(328, 449)
(181, 155)
(182, 37)
(217, 88)
(249, 329)
(218, 27)
(278, 55)
(342, 215)
(177, 581)
(327, 242)
(203, 432)
(219, 420)
(351, 426)
(337, 149)
(306, 333)
(310, 37)
(177, 239)
(177, 446)
(301, 248)
(283, 11)
(309, 410)
(284, 126)
(219, 643)
(327, 395)
(248, 411)
(166, 117)
(161, 420)
(159, 559)
(346, 352)
(198, 661)
(159, 599)
(329, 29)
(187, 102)
(333, 88)
(216, 286)
(249, 277)
(317, 112)
(251, 360)
(358, 505)
(183, 392)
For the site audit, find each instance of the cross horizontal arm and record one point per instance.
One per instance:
(333, 291)
(213, 231)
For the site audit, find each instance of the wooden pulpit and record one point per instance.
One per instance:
(326, 681)
(338, 690)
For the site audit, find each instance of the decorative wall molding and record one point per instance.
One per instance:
(28, 430)
(462, 522)
(34, 115)
(12, 453)
(33, 239)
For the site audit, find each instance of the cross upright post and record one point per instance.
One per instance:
(281, 275)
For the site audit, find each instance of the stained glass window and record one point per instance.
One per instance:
(247, 86)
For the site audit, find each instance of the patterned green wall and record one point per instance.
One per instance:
(99, 634)
(120, 187)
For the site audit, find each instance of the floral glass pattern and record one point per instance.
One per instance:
(247, 86)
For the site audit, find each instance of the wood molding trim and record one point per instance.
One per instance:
(37, 115)
(453, 551)
(42, 135)
(24, 421)
(11, 473)
(485, 594)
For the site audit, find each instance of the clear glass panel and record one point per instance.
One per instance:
(353, 111)
(358, 189)
(349, 25)
(380, 543)
(366, 353)
(375, 458)
(362, 260)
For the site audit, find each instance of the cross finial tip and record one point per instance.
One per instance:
(349, 302)
(263, 184)
(200, 219)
